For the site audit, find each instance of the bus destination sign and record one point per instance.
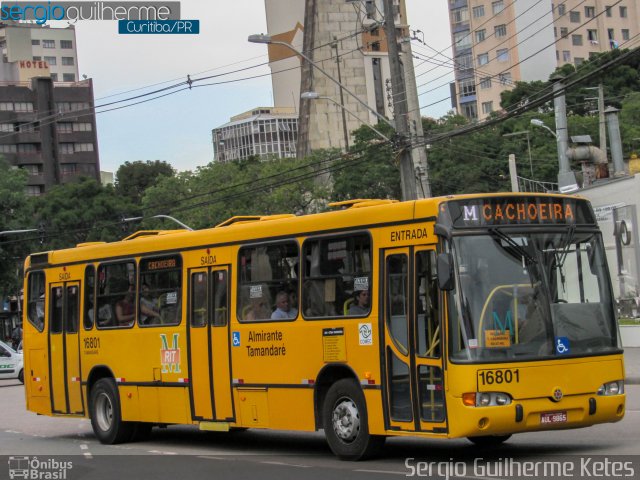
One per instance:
(486, 212)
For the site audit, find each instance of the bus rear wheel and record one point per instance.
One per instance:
(106, 418)
(345, 422)
(490, 440)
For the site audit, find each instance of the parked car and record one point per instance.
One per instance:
(11, 363)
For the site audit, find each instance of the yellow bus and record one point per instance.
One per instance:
(474, 316)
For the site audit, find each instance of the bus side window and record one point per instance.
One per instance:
(336, 270)
(160, 296)
(35, 299)
(266, 273)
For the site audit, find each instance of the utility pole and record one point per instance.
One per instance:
(566, 178)
(400, 107)
(345, 132)
(418, 155)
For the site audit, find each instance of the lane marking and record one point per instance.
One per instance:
(284, 464)
(385, 472)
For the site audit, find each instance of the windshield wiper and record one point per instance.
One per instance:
(518, 248)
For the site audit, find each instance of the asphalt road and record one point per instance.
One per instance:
(184, 452)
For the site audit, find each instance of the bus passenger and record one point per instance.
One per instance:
(125, 309)
(360, 305)
(283, 310)
(258, 310)
(148, 307)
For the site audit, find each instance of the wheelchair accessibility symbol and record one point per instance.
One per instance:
(236, 339)
(562, 345)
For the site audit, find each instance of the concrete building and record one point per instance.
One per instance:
(49, 130)
(39, 46)
(498, 42)
(347, 41)
(262, 131)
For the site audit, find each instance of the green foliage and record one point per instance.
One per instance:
(251, 187)
(16, 216)
(374, 174)
(133, 178)
(82, 211)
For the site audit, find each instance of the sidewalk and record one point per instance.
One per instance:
(632, 365)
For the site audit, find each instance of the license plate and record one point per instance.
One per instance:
(553, 417)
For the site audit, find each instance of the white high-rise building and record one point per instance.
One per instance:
(499, 42)
(29, 46)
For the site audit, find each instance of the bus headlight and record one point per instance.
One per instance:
(486, 399)
(612, 388)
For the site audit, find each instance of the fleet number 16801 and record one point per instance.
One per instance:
(498, 376)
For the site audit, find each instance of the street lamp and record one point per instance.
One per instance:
(317, 96)
(262, 38)
(539, 123)
(524, 132)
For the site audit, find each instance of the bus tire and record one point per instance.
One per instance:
(106, 418)
(21, 376)
(489, 440)
(345, 422)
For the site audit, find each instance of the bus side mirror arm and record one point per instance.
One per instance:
(442, 230)
(446, 275)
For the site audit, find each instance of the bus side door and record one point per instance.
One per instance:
(64, 348)
(209, 355)
(414, 382)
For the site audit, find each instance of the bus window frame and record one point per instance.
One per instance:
(238, 285)
(179, 269)
(28, 299)
(91, 292)
(135, 276)
(372, 259)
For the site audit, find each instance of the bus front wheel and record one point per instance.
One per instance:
(345, 422)
(489, 440)
(106, 419)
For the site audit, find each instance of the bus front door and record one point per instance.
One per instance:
(209, 354)
(64, 349)
(414, 382)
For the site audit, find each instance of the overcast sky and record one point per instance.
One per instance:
(177, 128)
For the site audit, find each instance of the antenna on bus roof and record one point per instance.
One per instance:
(133, 219)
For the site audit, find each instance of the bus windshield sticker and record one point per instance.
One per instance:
(256, 291)
(497, 339)
(365, 333)
(360, 283)
(473, 343)
(172, 298)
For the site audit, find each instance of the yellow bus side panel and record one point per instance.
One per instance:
(292, 409)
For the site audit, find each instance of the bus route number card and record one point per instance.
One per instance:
(333, 345)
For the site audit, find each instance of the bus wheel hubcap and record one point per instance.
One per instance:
(104, 412)
(346, 420)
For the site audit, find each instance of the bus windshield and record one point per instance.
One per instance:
(530, 296)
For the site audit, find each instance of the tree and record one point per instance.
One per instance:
(370, 171)
(133, 178)
(16, 216)
(82, 211)
(253, 186)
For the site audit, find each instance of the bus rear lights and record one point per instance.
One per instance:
(612, 388)
(368, 381)
(486, 399)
